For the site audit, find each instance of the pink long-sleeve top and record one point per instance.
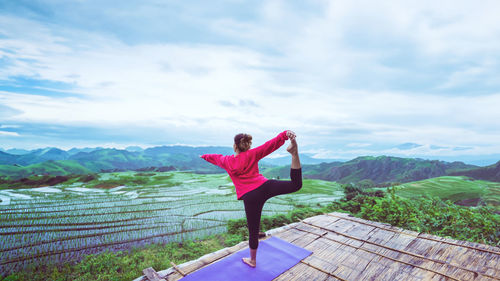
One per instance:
(243, 169)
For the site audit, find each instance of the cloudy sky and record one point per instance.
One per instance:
(404, 78)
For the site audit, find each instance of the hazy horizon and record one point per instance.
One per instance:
(478, 161)
(351, 78)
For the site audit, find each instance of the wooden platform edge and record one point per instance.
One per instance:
(152, 275)
(171, 270)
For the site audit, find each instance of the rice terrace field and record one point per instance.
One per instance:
(118, 211)
(460, 190)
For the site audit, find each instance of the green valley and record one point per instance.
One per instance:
(459, 190)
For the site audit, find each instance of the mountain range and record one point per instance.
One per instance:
(382, 169)
(106, 159)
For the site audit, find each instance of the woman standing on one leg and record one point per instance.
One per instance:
(252, 187)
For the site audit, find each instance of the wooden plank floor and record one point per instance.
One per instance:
(348, 248)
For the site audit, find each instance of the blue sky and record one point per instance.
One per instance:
(404, 78)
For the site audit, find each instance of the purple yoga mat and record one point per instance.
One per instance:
(274, 257)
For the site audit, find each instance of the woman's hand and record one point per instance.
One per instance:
(291, 135)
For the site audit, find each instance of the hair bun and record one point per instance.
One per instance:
(243, 141)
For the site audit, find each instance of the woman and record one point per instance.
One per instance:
(252, 187)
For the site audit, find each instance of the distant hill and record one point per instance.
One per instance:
(112, 159)
(86, 149)
(42, 155)
(33, 157)
(388, 169)
(489, 173)
(9, 159)
(15, 151)
(55, 168)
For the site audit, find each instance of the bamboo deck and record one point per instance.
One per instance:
(349, 248)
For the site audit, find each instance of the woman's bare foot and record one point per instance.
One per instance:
(292, 148)
(249, 262)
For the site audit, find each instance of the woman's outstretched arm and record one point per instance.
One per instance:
(273, 144)
(216, 159)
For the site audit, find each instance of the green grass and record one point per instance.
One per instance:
(318, 187)
(125, 265)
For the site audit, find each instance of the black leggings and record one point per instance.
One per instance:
(254, 201)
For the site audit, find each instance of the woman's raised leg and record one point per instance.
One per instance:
(278, 187)
(295, 167)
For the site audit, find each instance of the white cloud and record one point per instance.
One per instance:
(9, 134)
(480, 72)
(356, 144)
(9, 126)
